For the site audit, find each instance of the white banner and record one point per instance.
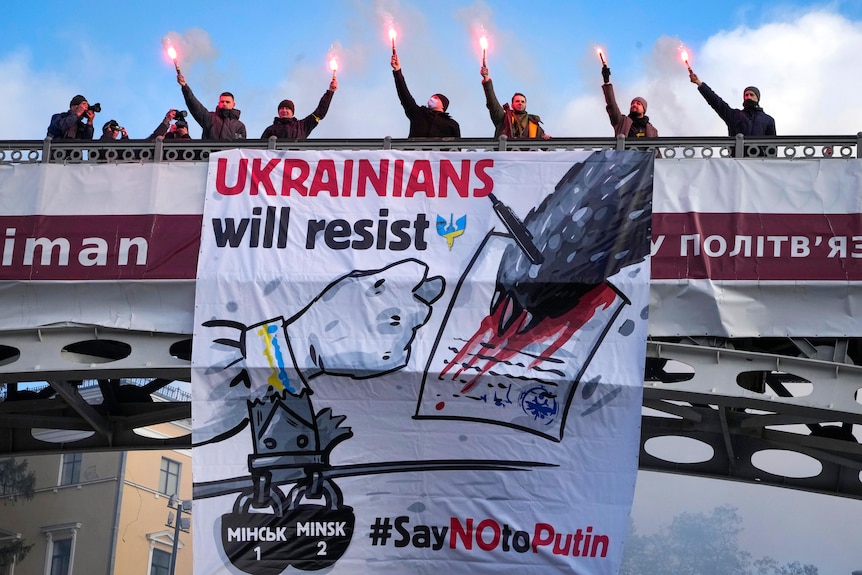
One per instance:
(741, 248)
(745, 248)
(419, 362)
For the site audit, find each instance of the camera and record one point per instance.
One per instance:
(97, 107)
(180, 115)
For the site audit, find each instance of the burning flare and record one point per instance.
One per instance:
(683, 54)
(601, 55)
(392, 35)
(172, 54)
(333, 65)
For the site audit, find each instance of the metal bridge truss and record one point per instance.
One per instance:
(738, 398)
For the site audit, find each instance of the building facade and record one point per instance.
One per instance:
(103, 513)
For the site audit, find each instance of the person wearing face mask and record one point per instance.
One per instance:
(751, 120)
(430, 121)
(223, 124)
(286, 127)
(634, 125)
(514, 122)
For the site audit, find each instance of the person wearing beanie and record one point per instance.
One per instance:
(112, 130)
(71, 125)
(514, 122)
(634, 125)
(751, 120)
(431, 121)
(223, 124)
(286, 127)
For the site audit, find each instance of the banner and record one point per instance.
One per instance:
(419, 361)
(757, 248)
(108, 245)
(741, 248)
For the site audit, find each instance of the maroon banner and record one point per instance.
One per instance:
(747, 246)
(718, 246)
(79, 248)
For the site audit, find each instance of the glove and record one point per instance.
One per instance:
(606, 73)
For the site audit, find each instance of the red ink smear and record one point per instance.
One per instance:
(510, 343)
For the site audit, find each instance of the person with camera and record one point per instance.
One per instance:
(179, 130)
(223, 124)
(286, 127)
(112, 130)
(71, 125)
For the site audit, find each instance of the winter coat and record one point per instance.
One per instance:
(424, 122)
(504, 117)
(293, 129)
(623, 123)
(163, 130)
(223, 124)
(69, 126)
(109, 137)
(748, 122)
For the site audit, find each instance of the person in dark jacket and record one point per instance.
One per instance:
(514, 122)
(179, 130)
(223, 124)
(286, 127)
(429, 121)
(634, 125)
(112, 130)
(70, 125)
(751, 120)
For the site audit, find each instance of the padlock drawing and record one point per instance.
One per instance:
(309, 530)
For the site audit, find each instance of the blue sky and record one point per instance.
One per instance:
(802, 55)
(798, 53)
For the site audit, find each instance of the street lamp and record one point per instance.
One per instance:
(179, 523)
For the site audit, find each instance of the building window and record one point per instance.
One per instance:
(70, 470)
(61, 556)
(169, 477)
(60, 549)
(161, 563)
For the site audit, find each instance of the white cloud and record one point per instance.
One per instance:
(802, 68)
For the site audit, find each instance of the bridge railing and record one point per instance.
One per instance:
(136, 151)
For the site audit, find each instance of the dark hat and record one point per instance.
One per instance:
(444, 100)
(181, 124)
(287, 104)
(77, 100)
(753, 89)
(641, 100)
(111, 125)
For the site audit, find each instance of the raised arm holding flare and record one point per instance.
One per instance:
(286, 126)
(751, 120)
(431, 121)
(512, 121)
(223, 124)
(634, 125)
